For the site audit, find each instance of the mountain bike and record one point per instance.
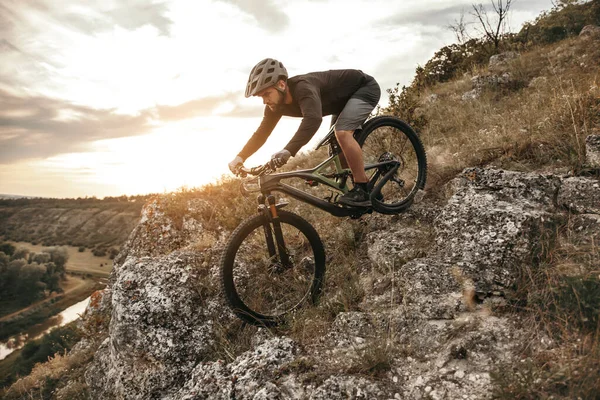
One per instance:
(274, 261)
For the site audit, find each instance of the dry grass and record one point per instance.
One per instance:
(48, 376)
(560, 296)
(519, 127)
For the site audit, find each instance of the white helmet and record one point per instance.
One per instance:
(265, 74)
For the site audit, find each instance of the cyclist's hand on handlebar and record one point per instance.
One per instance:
(236, 164)
(280, 158)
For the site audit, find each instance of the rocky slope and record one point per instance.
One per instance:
(433, 321)
(447, 295)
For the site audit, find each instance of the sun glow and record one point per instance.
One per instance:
(188, 153)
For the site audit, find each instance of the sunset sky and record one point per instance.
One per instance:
(111, 97)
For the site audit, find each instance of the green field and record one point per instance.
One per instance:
(79, 262)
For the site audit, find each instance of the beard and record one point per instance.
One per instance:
(277, 107)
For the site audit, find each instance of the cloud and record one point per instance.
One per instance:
(89, 18)
(195, 108)
(130, 15)
(40, 127)
(429, 17)
(267, 13)
(6, 46)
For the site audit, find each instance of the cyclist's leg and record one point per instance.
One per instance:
(356, 111)
(343, 161)
(352, 154)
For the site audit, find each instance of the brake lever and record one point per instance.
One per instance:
(241, 173)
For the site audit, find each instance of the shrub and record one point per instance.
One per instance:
(7, 249)
(566, 19)
(99, 252)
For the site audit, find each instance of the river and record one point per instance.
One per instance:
(39, 330)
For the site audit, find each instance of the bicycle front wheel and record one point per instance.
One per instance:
(258, 286)
(387, 138)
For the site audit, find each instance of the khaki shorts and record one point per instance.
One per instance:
(358, 108)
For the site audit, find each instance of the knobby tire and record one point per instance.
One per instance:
(247, 275)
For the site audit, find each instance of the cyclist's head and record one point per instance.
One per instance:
(264, 75)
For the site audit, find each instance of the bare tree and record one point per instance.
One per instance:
(459, 27)
(495, 27)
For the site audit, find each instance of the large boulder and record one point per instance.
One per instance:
(500, 62)
(481, 83)
(489, 229)
(492, 223)
(161, 325)
(249, 376)
(590, 32)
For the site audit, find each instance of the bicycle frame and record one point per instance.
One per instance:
(336, 180)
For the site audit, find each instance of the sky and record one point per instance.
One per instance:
(111, 97)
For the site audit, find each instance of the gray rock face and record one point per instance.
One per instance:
(161, 230)
(471, 95)
(581, 195)
(487, 230)
(483, 82)
(160, 327)
(248, 377)
(592, 151)
(499, 62)
(492, 221)
(348, 387)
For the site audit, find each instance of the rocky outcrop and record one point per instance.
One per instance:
(162, 324)
(592, 150)
(590, 31)
(498, 76)
(580, 196)
(498, 63)
(483, 82)
(432, 279)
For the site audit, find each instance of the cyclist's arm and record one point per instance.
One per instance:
(269, 121)
(309, 101)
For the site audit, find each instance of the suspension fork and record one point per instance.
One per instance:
(273, 217)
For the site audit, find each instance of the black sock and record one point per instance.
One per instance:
(362, 185)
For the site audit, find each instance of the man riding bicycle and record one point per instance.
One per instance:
(347, 95)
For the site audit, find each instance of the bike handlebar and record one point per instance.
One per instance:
(256, 171)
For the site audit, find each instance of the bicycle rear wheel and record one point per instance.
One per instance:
(387, 138)
(258, 287)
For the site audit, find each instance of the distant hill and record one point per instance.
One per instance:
(14, 196)
(85, 222)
